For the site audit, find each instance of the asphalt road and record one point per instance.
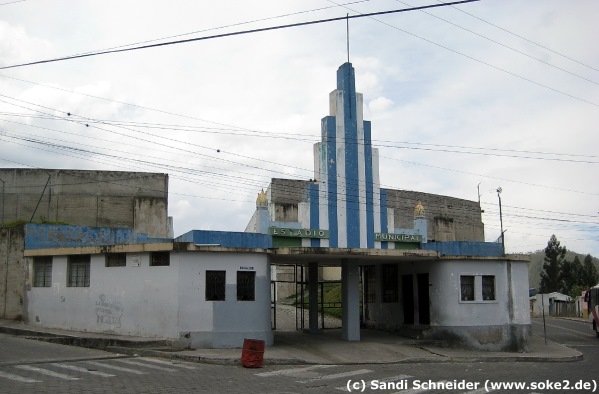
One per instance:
(28, 366)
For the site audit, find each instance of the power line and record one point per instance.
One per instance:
(13, 2)
(226, 26)
(503, 70)
(521, 37)
(237, 33)
(505, 46)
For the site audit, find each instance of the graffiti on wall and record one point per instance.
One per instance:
(108, 312)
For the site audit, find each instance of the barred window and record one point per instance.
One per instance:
(467, 287)
(390, 283)
(246, 286)
(78, 270)
(215, 285)
(160, 259)
(488, 287)
(116, 259)
(42, 271)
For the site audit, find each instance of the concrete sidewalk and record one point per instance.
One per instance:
(293, 347)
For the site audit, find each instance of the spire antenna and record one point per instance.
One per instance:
(347, 37)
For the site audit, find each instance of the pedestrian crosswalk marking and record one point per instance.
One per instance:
(46, 372)
(172, 364)
(109, 366)
(80, 369)
(18, 378)
(337, 375)
(137, 363)
(292, 371)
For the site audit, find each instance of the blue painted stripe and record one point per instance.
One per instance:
(346, 80)
(369, 185)
(384, 224)
(329, 130)
(314, 212)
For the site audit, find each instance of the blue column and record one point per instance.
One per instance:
(350, 301)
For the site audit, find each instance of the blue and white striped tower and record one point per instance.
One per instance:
(347, 198)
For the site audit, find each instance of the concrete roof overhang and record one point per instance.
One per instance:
(284, 255)
(335, 256)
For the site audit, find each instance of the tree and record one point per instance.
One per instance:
(570, 275)
(589, 276)
(554, 256)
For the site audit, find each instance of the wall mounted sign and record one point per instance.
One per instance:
(387, 237)
(297, 232)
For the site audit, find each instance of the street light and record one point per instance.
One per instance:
(499, 190)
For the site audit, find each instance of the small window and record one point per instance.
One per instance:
(390, 283)
(467, 287)
(215, 285)
(42, 271)
(488, 287)
(160, 259)
(78, 271)
(246, 286)
(116, 259)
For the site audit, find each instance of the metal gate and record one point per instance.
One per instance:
(290, 295)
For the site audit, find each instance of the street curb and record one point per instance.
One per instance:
(283, 361)
(164, 349)
(89, 342)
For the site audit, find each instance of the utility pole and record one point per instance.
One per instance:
(2, 222)
(499, 190)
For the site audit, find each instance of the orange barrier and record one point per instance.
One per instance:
(252, 355)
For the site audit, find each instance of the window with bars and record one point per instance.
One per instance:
(390, 283)
(246, 286)
(42, 271)
(78, 270)
(488, 287)
(158, 259)
(116, 259)
(467, 287)
(215, 285)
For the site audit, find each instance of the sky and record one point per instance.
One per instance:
(463, 100)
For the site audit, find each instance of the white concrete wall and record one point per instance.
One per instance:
(223, 323)
(161, 301)
(131, 300)
(500, 324)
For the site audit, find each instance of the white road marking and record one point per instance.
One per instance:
(479, 391)
(46, 372)
(109, 366)
(336, 375)
(292, 371)
(131, 362)
(171, 363)
(18, 378)
(80, 369)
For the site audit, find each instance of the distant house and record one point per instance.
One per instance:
(548, 303)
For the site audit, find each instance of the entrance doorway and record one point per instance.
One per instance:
(424, 316)
(407, 291)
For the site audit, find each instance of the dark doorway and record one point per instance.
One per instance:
(407, 291)
(424, 313)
